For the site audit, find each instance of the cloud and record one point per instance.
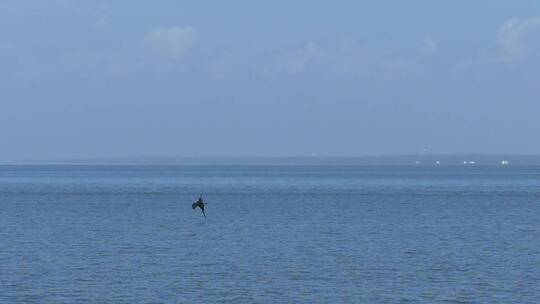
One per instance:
(172, 42)
(299, 61)
(517, 37)
(102, 16)
(352, 59)
(429, 47)
(349, 58)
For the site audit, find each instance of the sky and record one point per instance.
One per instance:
(123, 78)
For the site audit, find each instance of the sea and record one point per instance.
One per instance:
(272, 234)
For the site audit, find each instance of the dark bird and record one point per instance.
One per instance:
(199, 203)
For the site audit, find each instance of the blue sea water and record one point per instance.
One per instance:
(127, 234)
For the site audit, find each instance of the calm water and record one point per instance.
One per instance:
(121, 234)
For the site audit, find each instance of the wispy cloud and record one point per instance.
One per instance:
(102, 17)
(300, 60)
(429, 47)
(517, 37)
(349, 57)
(174, 42)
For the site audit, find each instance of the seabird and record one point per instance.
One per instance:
(199, 203)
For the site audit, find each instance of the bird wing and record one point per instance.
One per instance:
(194, 205)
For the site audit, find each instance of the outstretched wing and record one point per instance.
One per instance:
(194, 205)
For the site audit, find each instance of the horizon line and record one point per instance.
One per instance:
(383, 159)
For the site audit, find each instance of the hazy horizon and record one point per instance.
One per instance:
(110, 79)
(471, 159)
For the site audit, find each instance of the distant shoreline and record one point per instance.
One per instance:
(397, 160)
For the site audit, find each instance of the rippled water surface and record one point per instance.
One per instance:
(127, 234)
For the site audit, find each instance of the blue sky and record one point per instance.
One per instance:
(269, 78)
